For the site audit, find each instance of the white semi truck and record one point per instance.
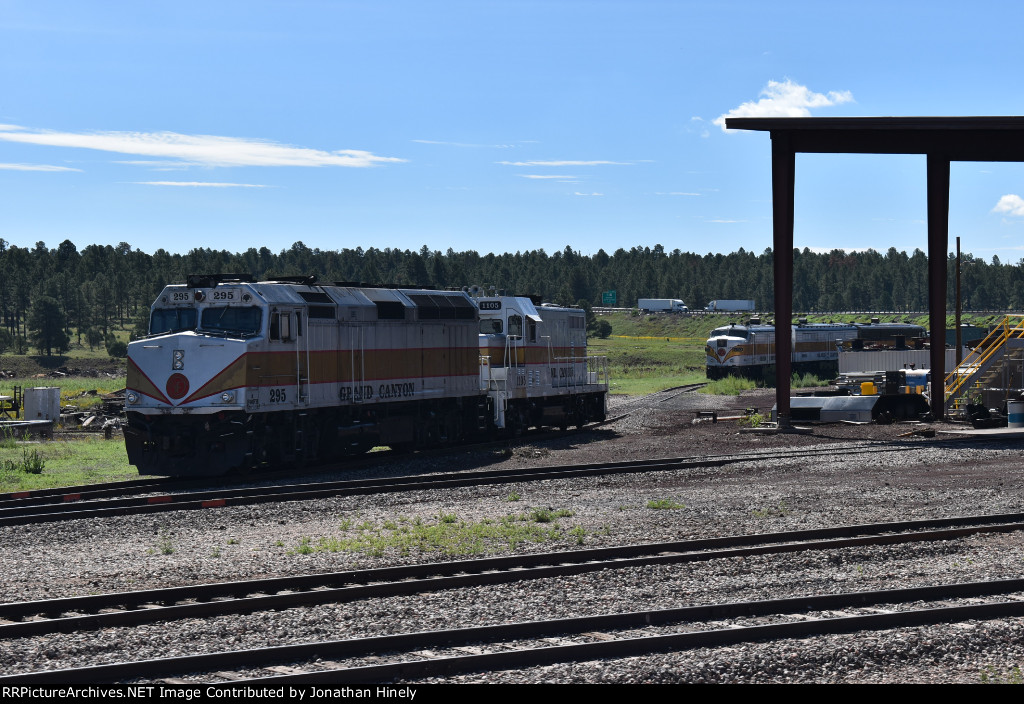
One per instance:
(733, 305)
(661, 305)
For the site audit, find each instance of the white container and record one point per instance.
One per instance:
(1015, 414)
(42, 403)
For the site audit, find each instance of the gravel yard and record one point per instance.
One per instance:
(919, 478)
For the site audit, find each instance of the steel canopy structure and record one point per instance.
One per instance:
(941, 139)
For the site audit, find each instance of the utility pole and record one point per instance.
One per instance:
(959, 334)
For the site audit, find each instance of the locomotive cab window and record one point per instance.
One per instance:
(531, 329)
(245, 321)
(281, 326)
(490, 326)
(165, 320)
(515, 325)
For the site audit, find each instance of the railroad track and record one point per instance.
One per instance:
(463, 649)
(62, 507)
(133, 608)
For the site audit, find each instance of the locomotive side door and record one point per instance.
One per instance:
(353, 363)
(515, 353)
(302, 337)
(287, 375)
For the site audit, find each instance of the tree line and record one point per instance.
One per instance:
(53, 298)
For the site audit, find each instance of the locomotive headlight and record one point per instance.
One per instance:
(227, 397)
(178, 360)
(132, 397)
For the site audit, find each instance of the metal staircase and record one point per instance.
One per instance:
(999, 353)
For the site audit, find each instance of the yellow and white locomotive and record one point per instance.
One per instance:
(749, 350)
(235, 373)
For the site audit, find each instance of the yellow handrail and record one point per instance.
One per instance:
(977, 357)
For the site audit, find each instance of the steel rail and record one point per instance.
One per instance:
(48, 616)
(23, 515)
(575, 626)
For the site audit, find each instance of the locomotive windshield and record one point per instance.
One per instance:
(730, 331)
(166, 320)
(232, 320)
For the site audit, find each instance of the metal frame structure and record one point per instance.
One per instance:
(940, 139)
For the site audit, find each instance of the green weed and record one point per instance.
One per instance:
(30, 463)
(729, 386)
(990, 675)
(664, 504)
(514, 496)
(546, 515)
(579, 533)
(754, 420)
(447, 535)
(165, 545)
(779, 511)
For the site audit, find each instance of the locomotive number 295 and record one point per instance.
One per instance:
(278, 396)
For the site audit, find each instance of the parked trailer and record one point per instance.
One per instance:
(661, 305)
(732, 305)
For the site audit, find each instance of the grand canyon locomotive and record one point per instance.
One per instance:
(237, 373)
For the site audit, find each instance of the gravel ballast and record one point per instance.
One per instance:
(913, 477)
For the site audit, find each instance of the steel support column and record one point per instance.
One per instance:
(783, 179)
(938, 247)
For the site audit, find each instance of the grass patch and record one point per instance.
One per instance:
(652, 353)
(780, 511)
(447, 535)
(664, 504)
(729, 386)
(31, 463)
(546, 515)
(807, 380)
(991, 675)
(65, 463)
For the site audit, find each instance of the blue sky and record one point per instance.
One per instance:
(486, 125)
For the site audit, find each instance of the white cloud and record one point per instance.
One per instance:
(1010, 203)
(562, 163)
(201, 184)
(540, 176)
(785, 99)
(577, 193)
(203, 150)
(35, 167)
